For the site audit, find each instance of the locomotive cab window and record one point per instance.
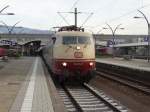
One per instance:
(69, 40)
(76, 40)
(84, 40)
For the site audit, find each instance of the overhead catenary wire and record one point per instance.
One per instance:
(87, 19)
(4, 3)
(126, 14)
(110, 4)
(63, 18)
(96, 11)
(121, 16)
(74, 4)
(82, 12)
(111, 19)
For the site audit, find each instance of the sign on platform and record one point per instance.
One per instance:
(8, 42)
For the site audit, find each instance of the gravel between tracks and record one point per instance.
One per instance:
(135, 101)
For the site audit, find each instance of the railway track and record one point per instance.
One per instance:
(86, 99)
(124, 80)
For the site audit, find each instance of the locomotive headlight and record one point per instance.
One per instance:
(78, 47)
(91, 63)
(64, 64)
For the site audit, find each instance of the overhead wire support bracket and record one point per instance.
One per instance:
(63, 17)
(87, 19)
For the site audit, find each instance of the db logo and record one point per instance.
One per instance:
(78, 54)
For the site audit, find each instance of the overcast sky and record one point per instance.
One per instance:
(42, 14)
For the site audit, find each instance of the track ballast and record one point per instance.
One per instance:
(86, 99)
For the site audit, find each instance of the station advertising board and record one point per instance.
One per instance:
(8, 42)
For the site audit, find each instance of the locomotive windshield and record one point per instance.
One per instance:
(76, 40)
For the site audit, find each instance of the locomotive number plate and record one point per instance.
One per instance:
(78, 54)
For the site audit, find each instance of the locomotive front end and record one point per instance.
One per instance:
(74, 54)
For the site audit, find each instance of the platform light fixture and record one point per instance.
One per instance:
(5, 13)
(113, 33)
(148, 36)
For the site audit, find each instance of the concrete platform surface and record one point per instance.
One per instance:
(12, 75)
(134, 63)
(34, 95)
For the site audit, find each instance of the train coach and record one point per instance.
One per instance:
(71, 53)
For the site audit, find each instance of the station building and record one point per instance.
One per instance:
(135, 45)
(28, 44)
(25, 44)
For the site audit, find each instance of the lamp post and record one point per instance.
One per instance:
(148, 37)
(5, 13)
(10, 29)
(4, 8)
(98, 34)
(113, 34)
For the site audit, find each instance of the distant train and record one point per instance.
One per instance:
(71, 53)
(3, 52)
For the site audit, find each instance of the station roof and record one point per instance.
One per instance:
(132, 44)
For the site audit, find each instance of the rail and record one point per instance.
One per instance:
(86, 98)
(125, 80)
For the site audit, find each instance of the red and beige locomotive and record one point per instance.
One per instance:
(71, 53)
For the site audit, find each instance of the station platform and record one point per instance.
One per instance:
(34, 95)
(24, 87)
(139, 64)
